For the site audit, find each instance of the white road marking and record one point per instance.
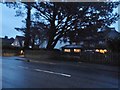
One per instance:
(44, 62)
(45, 71)
(23, 67)
(66, 75)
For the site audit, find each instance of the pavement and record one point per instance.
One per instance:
(18, 73)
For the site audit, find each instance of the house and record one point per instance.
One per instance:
(6, 41)
(113, 34)
(18, 42)
(72, 48)
(92, 44)
(78, 49)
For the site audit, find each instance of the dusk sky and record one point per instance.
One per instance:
(8, 21)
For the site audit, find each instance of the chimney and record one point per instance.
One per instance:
(6, 37)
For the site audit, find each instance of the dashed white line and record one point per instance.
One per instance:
(44, 62)
(45, 71)
(66, 75)
(23, 67)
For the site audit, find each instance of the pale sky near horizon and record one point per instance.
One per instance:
(8, 22)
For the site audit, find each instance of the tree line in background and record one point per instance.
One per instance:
(63, 21)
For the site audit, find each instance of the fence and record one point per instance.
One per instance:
(108, 58)
(42, 54)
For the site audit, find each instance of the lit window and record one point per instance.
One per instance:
(30, 46)
(97, 50)
(102, 51)
(66, 50)
(77, 50)
(12, 44)
(105, 50)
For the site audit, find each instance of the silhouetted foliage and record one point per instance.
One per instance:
(114, 44)
(67, 21)
(20, 11)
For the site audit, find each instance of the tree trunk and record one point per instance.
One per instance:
(51, 40)
(50, 47)
(33, 42)
(54, 42)
(28, 24)
(52, 34)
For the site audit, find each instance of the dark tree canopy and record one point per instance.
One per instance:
(68, 21)
(114, 44)
(20, 11)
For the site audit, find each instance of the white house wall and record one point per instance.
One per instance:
(59, 45)
(16, 43)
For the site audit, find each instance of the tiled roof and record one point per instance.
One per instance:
(20, 39)
(72, 46)
(6, 41)
(113, 34)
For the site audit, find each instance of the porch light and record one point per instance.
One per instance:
(66, 50)
(77, 50)
(21, 52)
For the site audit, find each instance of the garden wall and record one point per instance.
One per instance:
(110, 58)
(11, 51)
(7, 52)
(42, 54)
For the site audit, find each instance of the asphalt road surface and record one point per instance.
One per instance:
(17, 73)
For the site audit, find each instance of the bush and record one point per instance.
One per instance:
(11, 48)
(44, 49)
(114, 44)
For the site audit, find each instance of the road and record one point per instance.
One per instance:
(17, 73)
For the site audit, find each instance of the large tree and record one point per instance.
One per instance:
(69, 21)
(56, 17)
(23, 9)
(114, 44)
(66, 19)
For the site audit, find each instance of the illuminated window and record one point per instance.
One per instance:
(97, 50)
(66, 50)
(77, 50)
(105, 50)
(102, 51)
